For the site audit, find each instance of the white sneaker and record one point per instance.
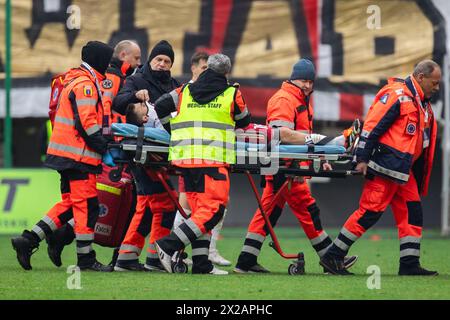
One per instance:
(217, 259)
(166, 259)
(218, 272)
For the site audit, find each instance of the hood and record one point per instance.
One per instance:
(80, 71)
(208, 86)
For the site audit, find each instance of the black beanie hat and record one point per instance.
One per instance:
(162, 47)
(97, 54)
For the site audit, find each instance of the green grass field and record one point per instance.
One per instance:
(48, 282)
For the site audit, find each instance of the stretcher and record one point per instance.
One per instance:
(150, 146)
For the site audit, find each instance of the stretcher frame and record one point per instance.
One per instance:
(289, 167)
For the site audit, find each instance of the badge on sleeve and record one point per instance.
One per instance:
(384, 98)
(87, 91)
(411, 128)
(107, 84)
(55, 94)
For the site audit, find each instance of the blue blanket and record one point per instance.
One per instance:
(159, 135)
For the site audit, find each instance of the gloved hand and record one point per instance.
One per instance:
(314, 138)
(108, 159)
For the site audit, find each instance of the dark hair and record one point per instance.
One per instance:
(196, 57)
(131, 115)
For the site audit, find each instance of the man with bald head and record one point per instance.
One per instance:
(128, 52)
(126, 58)
(395, 153)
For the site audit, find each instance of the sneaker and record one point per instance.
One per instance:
(120, 266)
(257, 268)
(217, 259)
(218, 272)
(166, 259)
(351, 135)
(415, 271)
(334, 265)
(185, 260)
(24, 247)
(98, 267)
(155, 267)
(348, 263)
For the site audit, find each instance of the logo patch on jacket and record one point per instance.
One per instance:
(87, 91)
(411, 128)
(107, 84)
(55, 94)
(384, 98)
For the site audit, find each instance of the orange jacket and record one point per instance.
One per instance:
(77, 141)
(394, 125)
(289, 107)
(115, 78)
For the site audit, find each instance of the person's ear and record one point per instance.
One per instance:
(420, 77)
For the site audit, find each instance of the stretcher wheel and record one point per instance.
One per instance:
(179, 267)
(295, 269)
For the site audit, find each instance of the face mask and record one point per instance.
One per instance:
(162, 76)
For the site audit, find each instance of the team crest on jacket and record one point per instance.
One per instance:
(87, 91)
(411, 128)
(107, 84)
(384, 98)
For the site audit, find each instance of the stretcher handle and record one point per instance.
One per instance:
(171, 193)
(276, 244)
(322, 173)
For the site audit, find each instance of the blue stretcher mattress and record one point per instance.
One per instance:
(153, 134)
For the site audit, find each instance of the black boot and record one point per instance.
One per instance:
(97, 266)
(88, 262)
(24, 246)
(415, 270)
(334, 265)
(247, 263)
(56, 242)
(349, 261)
(114, 257)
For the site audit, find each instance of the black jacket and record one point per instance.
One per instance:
(143, 79)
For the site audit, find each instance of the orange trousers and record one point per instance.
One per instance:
(154, 214)
(79, 201)
(299, 199)
(378, 193)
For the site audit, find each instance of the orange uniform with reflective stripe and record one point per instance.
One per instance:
(79, 99)
(393, 134)
(114, 81)
(289, 107)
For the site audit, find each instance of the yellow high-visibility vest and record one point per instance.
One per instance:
(204, 131)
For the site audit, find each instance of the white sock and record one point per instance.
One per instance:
(338, 141)
(215, 233)
(179, 219)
